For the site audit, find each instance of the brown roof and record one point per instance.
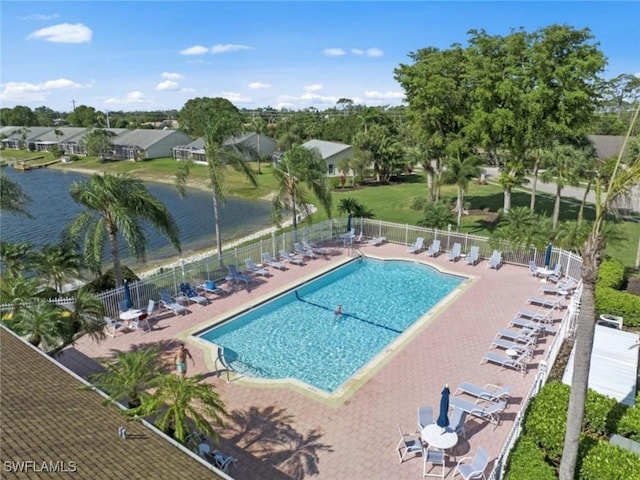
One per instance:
(45, 417)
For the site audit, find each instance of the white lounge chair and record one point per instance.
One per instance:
(255, 269)
(490, 392)
(546, 317)
(525, 335)
(290, 258)
(434, 249)
(472, 258)
(489, 411)
(303, 252)
(517, 363)
(545, 302)
(209, 286)
(377, 241)
(235, 275)
(267, 259)
(454, 254)
(496, 260)
(315, 249)
(537, 326)
(505, 344)
(417, 246)
(169, 303)
(192, 295)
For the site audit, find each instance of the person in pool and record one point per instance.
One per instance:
(338, 311)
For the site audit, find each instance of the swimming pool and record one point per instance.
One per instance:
(297, 335)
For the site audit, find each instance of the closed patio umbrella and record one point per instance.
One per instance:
(547, 256)
(127, 303)
(443, 418)
(349, 223)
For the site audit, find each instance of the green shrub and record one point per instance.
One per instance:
(611, 274)
(629, 424)
(619, 303)
(547, 418)
(527, 462)
(418, 203)
(609, 462)
(334, 182)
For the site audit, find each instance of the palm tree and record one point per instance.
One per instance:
(460, 172)
(512, 175)
(128, 375)
(354, 208)
(300, 171)
(523, 228)
(564, 167)
(42, 323)
(437, 215)
(219, 152)
(13, 199)
(619, 184)
(87, 314)
(259, 126)
(16, 257)
(117, 204)
(183, 406)
(55, 264)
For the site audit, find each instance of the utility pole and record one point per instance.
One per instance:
(73, 102)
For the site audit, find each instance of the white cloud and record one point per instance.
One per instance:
(374, 52)
(168, 85)
(132, 97)
(333, 52)
(324, 99)
(228, 47)
(235, 97)
(314, 87)
(187, 90)
(287, 105)
(27, 92)
(64, 33)
(195, 50)
(357, 51)
(40, 16)
(171, 76)
(390, 95)
(258, 85)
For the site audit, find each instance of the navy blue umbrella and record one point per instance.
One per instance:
(547, 256)
(349, 223)
(127, 303)
(443, 418)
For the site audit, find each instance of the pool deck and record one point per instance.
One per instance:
(285, 433)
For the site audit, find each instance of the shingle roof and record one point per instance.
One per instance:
(327, 149)
(45, 417)
(146, 138)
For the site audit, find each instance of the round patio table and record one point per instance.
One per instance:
(438, 437)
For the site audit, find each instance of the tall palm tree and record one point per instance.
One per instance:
(128, 375)
(512, 175)
(460, 172)
(353, 207)
(259, 126)
(13, 199)
(55, 264)
(87, 313)
(117, 204)
(619, 184)
(564, 166)
(183, 406)
(220, 153)
(299, 172)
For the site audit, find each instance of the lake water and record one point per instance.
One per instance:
(53, 209)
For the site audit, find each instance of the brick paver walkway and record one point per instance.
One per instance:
(283, 433)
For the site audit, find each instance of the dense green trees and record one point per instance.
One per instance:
(198, 113)
(99, 143)
(116, 205)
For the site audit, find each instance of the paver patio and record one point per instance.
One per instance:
(282, 433)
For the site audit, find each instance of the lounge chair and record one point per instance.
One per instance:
(374, 242)
(434, 249)
(255, 269)
(525, 335)
(417, 246)
(303, 252)
(290, 258)
(215, 457)
(315, 249)
(517, 363)
(472, 258)
(489, 411)
(535, 315)
(209, 286)
(496, 260)
(519, 347)
(545, 302)
(536, 326)
(490, 392)
(169, 303)
(533, 268)
(556, 275)
(475, 469)
(454, 254)
(192, 295)
(235, 275)
(267, 259)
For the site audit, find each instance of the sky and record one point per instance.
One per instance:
(156, 55)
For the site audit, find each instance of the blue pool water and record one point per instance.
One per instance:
(297, 334)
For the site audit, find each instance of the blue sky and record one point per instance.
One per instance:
(158, 54)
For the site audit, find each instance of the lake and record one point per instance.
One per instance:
(53, 208)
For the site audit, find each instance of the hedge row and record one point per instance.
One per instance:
(545, 425)
(611, 300)
(609, 462)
